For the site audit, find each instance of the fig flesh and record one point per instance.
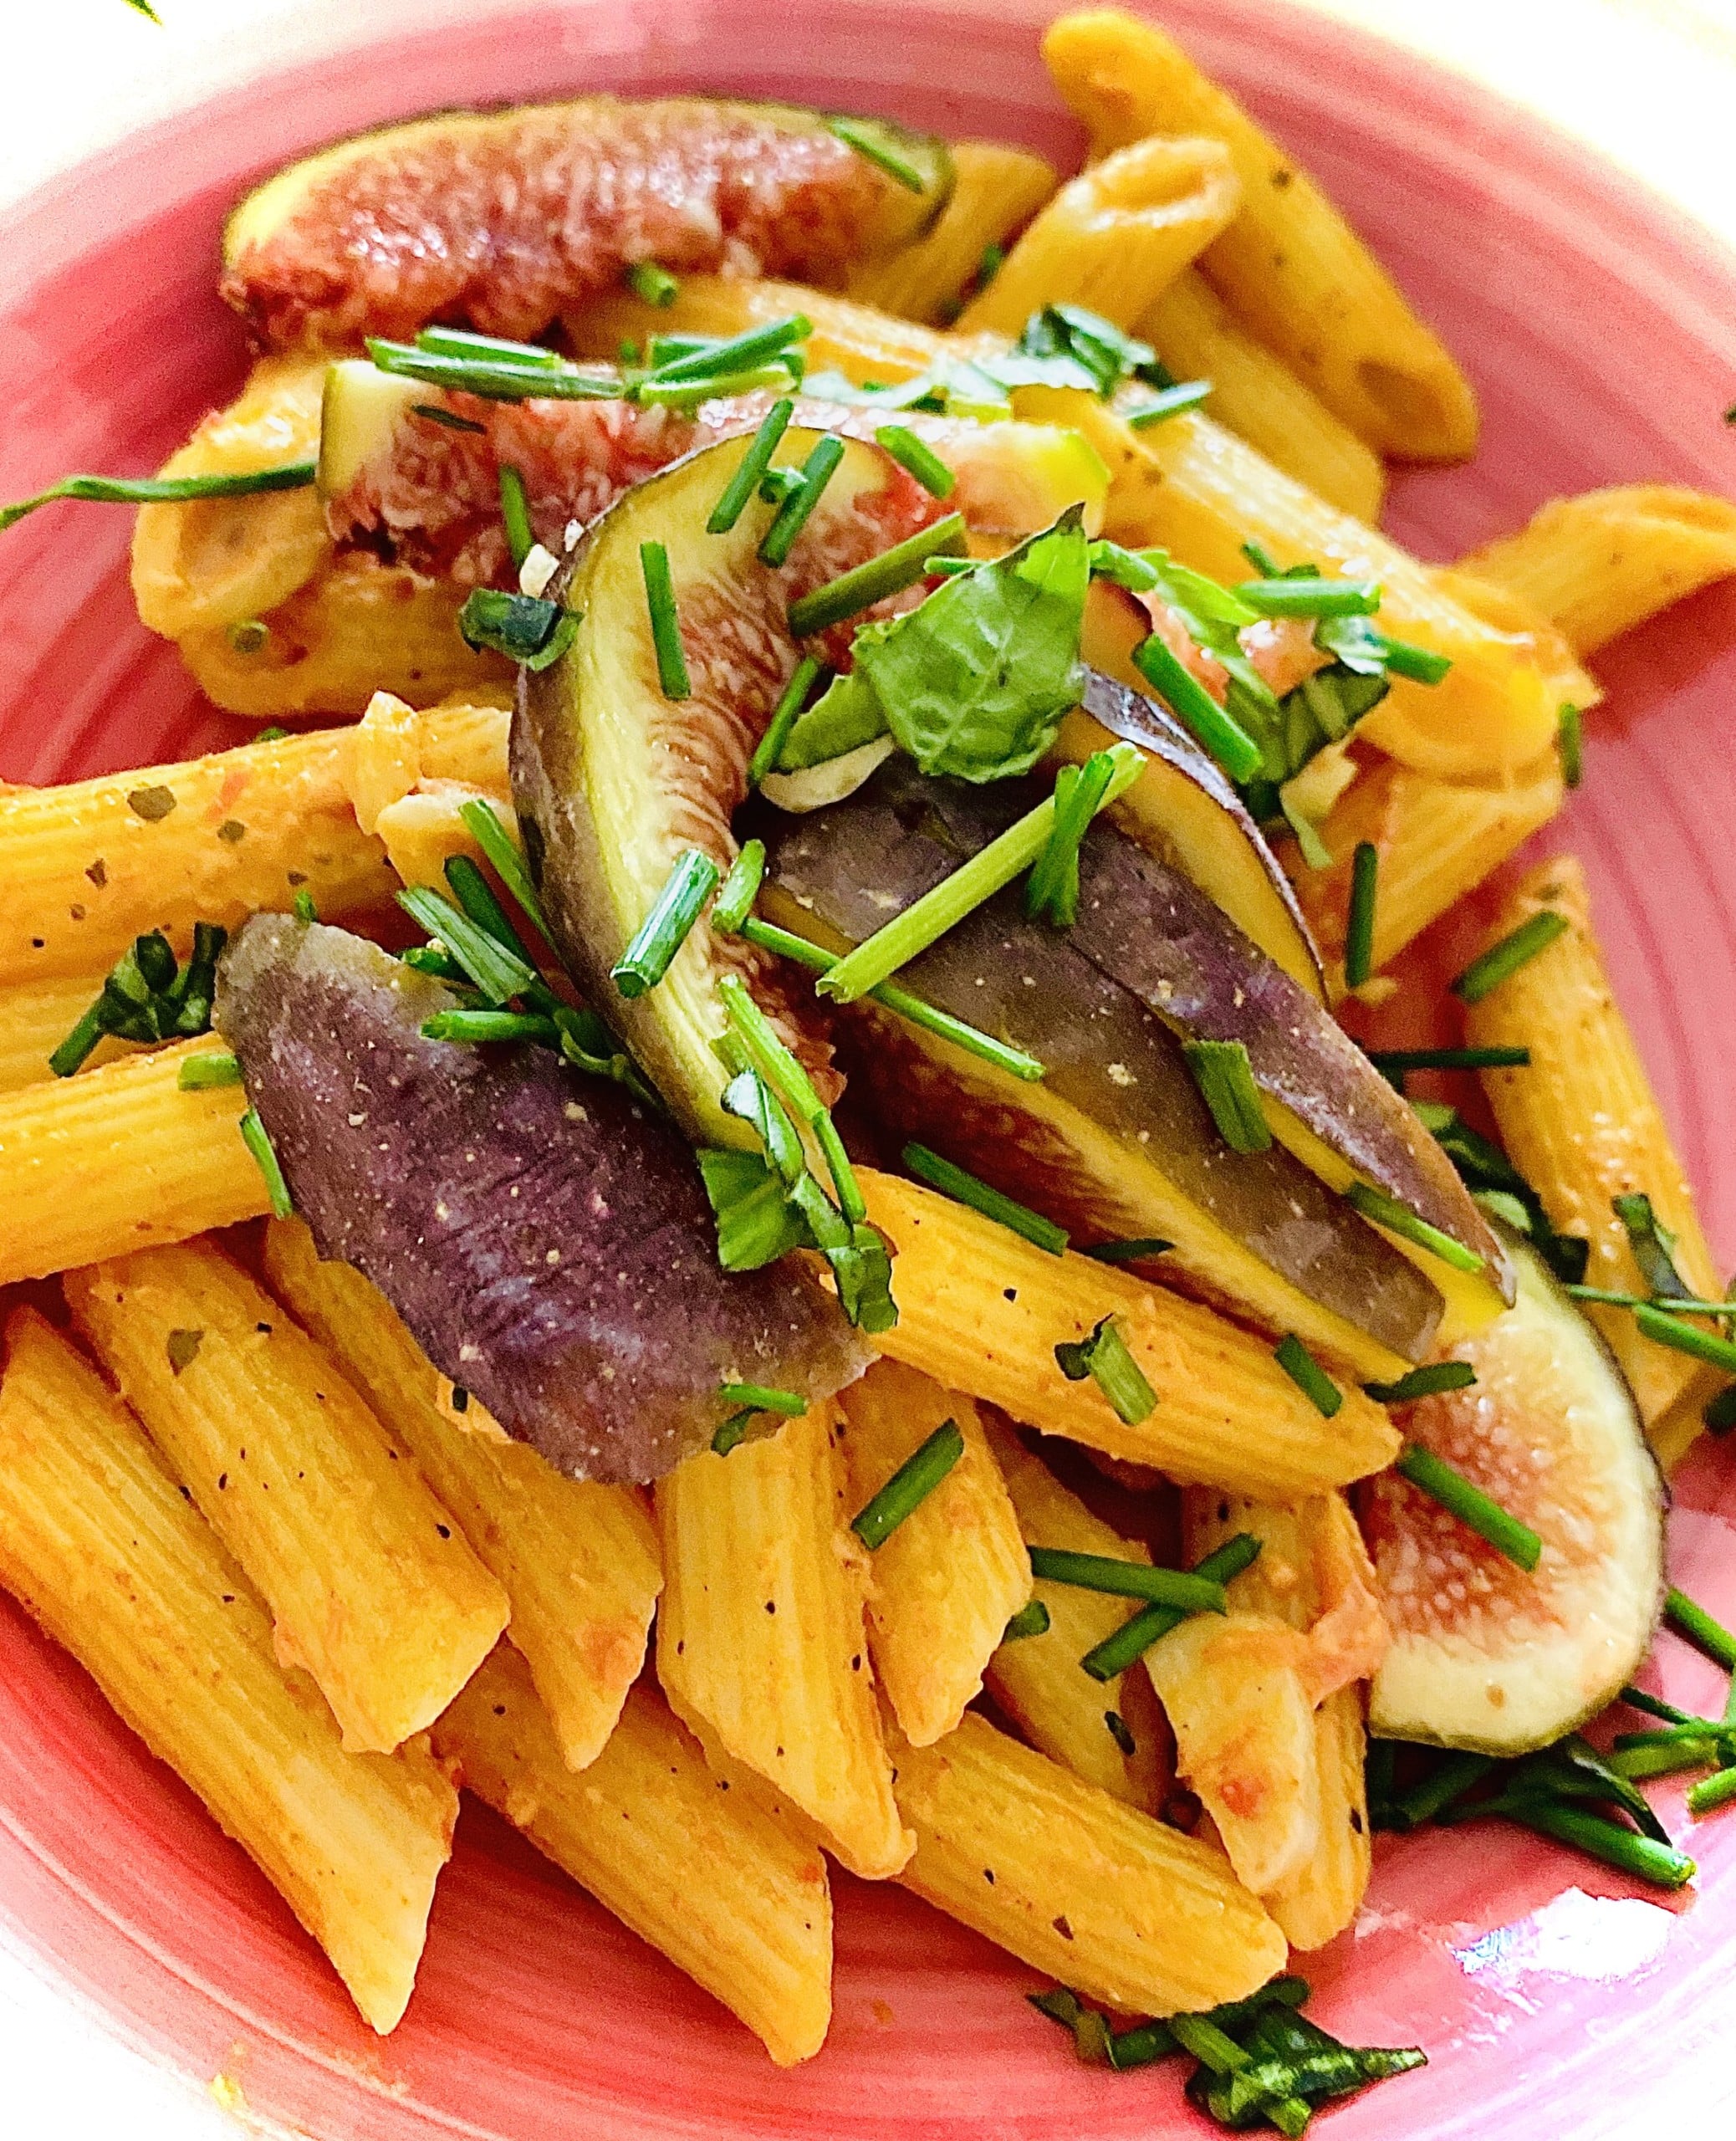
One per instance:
(547, 1239)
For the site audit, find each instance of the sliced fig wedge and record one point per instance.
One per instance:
(1485, 1654)
(1116, 1140)
(501, 218)
(547, 1240)
(614, 781)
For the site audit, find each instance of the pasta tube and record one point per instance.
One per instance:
(982, 1310)
(1323, 1897)
(1037, 1680)
(1583, 1125)
(372, 1590)
(210, 563)
(942, 1587)
(706, 1875)
(1074, 1882)
(34, 1020)
(1199, 491)
(118, 1158)
(578, 1561)
(760, 1643)
(1290, 264)
(1437, 840)
(996, 190)
(97, 1542)
(1116, 238)
(423, 831)
(1258, 396)
(1598, 564)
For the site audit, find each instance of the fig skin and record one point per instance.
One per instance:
(546, 1238)
(503, 219)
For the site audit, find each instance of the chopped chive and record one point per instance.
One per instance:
(817, 472)
(1570, 743)
(1694, 1729)
(770, 747)
(1397, 1218)
(1606, 1297)
(689, 394)
(909, 1486)
(515, 511)
(446, 417)
(257, 1138)
(526, 628)
(79, 1044)
(665, 623)
(760, 1397)
(740, 888)
(1221, 1071)
(1719, 1413)
(1119, 1733)
(1665, 1329)
(1654, 1706)
(1136, 1636)
(917, 458)
(1638, 1763)
(1104, 1358)
(1166, 403)
(1421, 665)
(1697, 1624)
(1448, 1781)
(1194, 706)
(652, 284)
(1651, 1244)
(305, 910)
(1263, 561)
(1051, 892)
(691, 883)
(793, 1086)
(1358, 928)
(869, 138)
(493, 377)
(732, 1431)
(480, 1027)
(752, 465)
(1031, 1620)
(199, 1074)
(466, 342)
(1311, 595)
(1014, 1062)
(1310, 1377)
(247, 635)
(497, 844)
(1609, 1841)
(1713, 1791)
(164, 490)
(879, 956)
(475, 895)
(871, 581)
(1477, 1511)
(1430, 1382)
(1501, 1056)
(1180, 1588)
(1487, 973)
(738, 353)
(1131, 1250)
(499, 972)
(927, 1166)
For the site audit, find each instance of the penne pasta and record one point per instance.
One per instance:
(1290, 264)
(1116, 238)
(1583, 1125)
(1195, 489)
(373, 1591)
(703, 1873)
(1037, 1680)
(1600, 564)
(210, 563)
(943, 1586)
(760, 1643)
(119, 1158)
(97, 1542)
(381, 760)
(423, 831)
(578, 1561)
(1081, 1886)
(996, 190)
(36, 1017)
(1323, 1897)
(1436, 840)
(354, 628)
(982, 1310)
(1258, 396)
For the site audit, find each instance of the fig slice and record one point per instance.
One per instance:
(499, 219)
(547, 1239)
(1484, 1655)
(1116, 1140)
(401, 481)
(613, 781)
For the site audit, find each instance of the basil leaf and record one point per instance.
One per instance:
(1076, 348)
(846, 715)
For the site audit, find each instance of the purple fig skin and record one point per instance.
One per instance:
(545, 1237)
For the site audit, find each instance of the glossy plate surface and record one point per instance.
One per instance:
(1601, 332)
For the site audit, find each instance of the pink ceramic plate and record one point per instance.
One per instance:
(1601, 332)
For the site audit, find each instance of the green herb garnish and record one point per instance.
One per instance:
(917, 458)
(1477, 1511)
(480, 1028)
(692, 878)
(652, 284)
(493, 371)
(874, 138)
(665, 623)
(164, 490)
(1432, 1380)
(792, 514)
(953, 1181)
(498, 971)
(1308, 594)
(1569, 742)
(1392, 1062)
(1397, 1218)
(1653, 1245)
(149, 996)
(1193, 706)
(1666, 1329)
(257, 1138)
(1131, 1250)
(527, 629)
(759, 1397)
(740, 888)
(1066, 345)
(784, 716)
(1104, 1358)
(1486, 973)
(515, 512)
(752, 467)
(1225, 1078)
(1168, 401)
(909, 1486)
(1310, 1377)
(1189, 1592)
(870, 582)
(1700, 1629)
(1136, 1636)
(199, 1074)
(497, 844)
(1359, 929)
(1051, 892)
(1031, 1620)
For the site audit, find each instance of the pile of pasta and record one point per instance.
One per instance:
(323, 1586)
